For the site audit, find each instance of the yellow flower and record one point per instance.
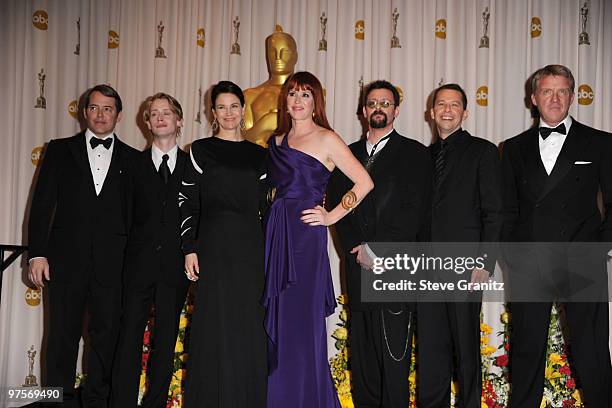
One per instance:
(344, 388)
(412, 377)
(340, 333)
(576, 395)
(183, 322)
(485, 328)
(178, 348)
(555, 358)
(346, 401)
(342, 299)
(488, 350)
(551, 373)
(543, 403)
(483, 405)
(505, 318)
(484, 340)
(454, 387)
(343, 315)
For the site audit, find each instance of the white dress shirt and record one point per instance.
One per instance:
(370, 146)
(157, 156)
(552, 145)
(99, 159)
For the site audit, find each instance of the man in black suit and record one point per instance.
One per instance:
(153, 268)
(552, 176)
(397, 210)
(77, 235)
(466, 207)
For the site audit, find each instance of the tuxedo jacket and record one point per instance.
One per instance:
(76, 230)
(396, 210)
(153, 251)
(562, 206)
(467, 205)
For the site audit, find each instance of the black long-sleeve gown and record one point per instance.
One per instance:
(219, 204)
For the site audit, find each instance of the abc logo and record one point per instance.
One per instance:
(201, 38)
(536, 27)
(72, 109)
(482, 96)
(33, 296)
(401, 94)
(360, 29)
(441, 28)
(113, 39)
(40, 19)
(36, 154)
(585, 95)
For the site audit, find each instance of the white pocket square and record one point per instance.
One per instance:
(582, 162)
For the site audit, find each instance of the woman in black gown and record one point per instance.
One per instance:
(223, 245)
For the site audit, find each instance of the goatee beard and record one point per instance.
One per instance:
(380, 123)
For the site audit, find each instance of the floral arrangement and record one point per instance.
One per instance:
(180, 357)
(559, 387)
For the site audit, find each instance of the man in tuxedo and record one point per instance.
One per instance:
(466, 207)
(77, 235)
(397, 210)
(153, 268)
(552, 176)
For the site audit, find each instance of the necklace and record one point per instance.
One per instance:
(382, 317)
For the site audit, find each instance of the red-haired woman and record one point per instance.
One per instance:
(299, 293)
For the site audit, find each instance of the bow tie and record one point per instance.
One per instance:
(546, 131)
(95, 142)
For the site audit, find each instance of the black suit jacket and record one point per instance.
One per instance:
(61, 225)
(153, 251)
(562, 206)
(396, 210)
(467, 206)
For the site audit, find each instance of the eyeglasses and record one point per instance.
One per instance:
(547, 92)
(372, 104)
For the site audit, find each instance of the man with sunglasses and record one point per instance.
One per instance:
(397, 210)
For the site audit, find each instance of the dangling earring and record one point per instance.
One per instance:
(215, 125)
(242, 125)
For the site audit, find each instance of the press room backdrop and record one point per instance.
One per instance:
(52, 51)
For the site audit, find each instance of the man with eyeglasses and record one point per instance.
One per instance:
(466, 208)
(552, 177)
(77, 234)
(396, 210)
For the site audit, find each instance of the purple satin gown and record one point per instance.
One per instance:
(299, 292)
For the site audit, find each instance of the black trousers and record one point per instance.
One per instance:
(381, 346)
(588, 325)
(448, 331)
(68, 302)
(137, 301)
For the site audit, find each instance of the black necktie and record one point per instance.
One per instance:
(164, 170)
(546, 131)
(95, 142)
(439, 163)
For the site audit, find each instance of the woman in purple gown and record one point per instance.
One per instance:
(299, 293)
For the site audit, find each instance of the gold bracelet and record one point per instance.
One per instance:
(349, 200)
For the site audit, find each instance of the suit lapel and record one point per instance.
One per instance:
(79, 152)
(534, 168)
(384, 157)
(572, 148)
